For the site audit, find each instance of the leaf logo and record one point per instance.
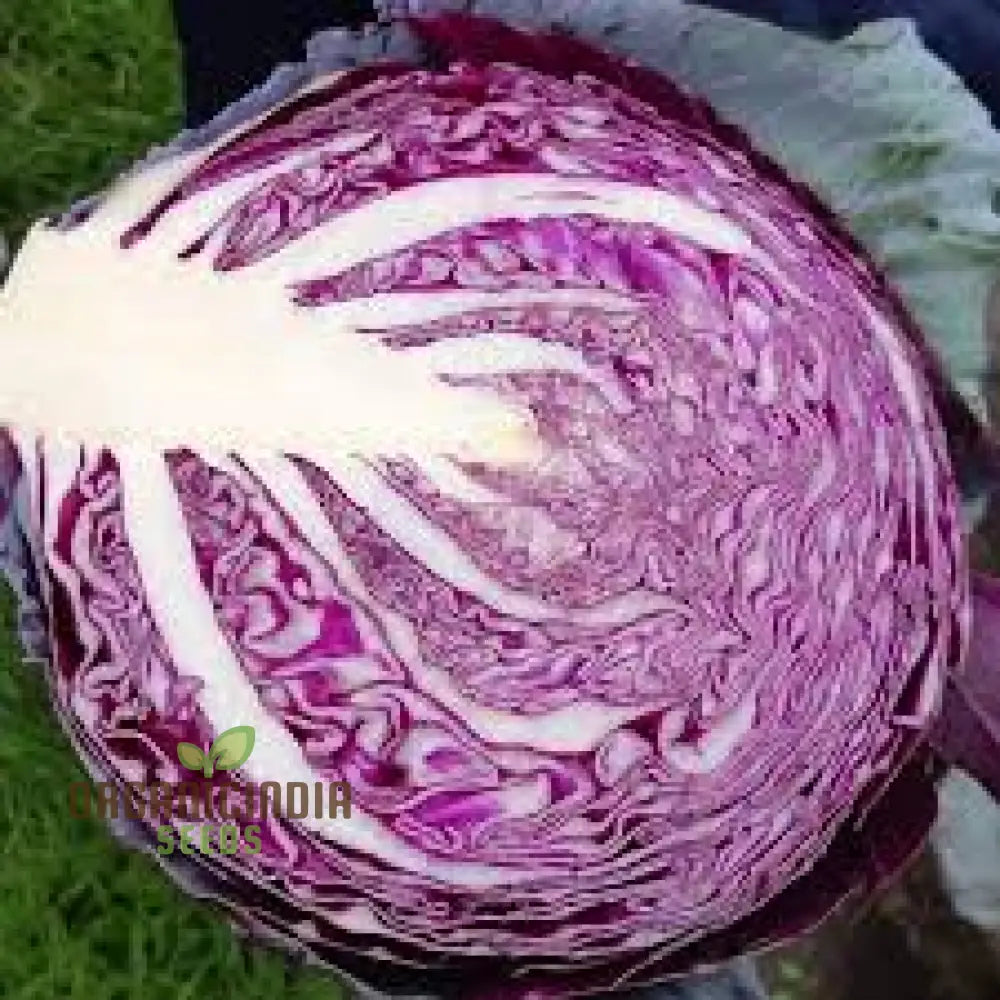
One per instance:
(231, 750)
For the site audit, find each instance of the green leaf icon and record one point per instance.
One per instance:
(231, 750)
(192, 757)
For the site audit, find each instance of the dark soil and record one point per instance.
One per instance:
(908, 945)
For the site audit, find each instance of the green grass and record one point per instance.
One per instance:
(86, 86)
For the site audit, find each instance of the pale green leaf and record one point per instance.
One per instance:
(233, 748)
(192, 757)
(875, 123)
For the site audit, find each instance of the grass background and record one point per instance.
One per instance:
(86, 86)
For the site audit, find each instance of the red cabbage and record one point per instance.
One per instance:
(636, 674)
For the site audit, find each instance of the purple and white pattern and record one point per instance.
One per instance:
(609, 674)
